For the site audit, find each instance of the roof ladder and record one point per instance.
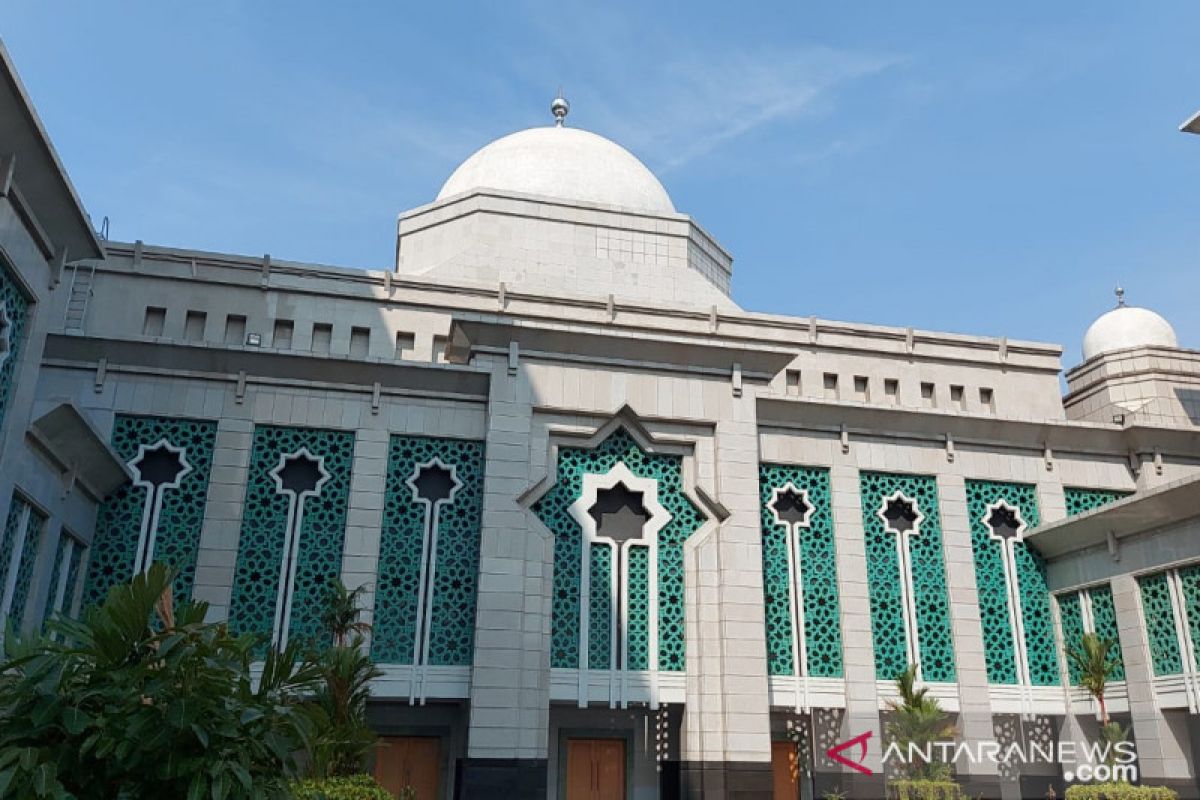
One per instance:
(79, 297)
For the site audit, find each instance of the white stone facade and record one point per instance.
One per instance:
(539, 327)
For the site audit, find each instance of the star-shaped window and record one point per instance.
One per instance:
(434, 482)
(160, 465)
(900, 515)
(790, 506)
(1004, 522)
(620, 513)
(300, 473)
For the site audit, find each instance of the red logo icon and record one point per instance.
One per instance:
(836, 751)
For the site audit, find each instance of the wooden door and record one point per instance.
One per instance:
(595, 769)
(786, 768)
(409, 761)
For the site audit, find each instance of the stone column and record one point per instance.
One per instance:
(1162, 744)
(862, 695)
(364, 514)
(974, 702)
(510, 677)
(727, 747)
(217, 556)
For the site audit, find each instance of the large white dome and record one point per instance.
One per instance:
(1125, 327)
(565, 164)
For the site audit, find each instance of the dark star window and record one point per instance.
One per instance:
(159, 465)
(901, 515)
(791, 507)
(434, 483)
(1004, 523)
(300, 473)
(620, 514)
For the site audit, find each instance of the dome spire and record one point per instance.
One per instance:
(1120, 293)
(559, 107)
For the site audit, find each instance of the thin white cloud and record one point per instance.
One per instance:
(674, 100)
(702, 105)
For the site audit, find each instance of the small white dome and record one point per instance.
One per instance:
(565, 164)
(1125, 327)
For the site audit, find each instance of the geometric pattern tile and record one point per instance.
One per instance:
(1070, 616)
(322, 533)
(1104, 619)
(931, 598)
(822, 614)
(456, 575)
(1104, 625)
(13, 308)
(180, 520)
(1081, 500)
(1189, 582)
(1159, 614)
(1040, 648)
(553, 509)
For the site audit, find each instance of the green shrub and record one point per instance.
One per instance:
(141, 699)
(355, 787)
(927, 790)
(1119, 791)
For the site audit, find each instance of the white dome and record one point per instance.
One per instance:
(1125, 327)
(563, 163)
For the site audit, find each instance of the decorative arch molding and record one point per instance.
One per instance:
(644, 573)
(628, 420)
(621, 558)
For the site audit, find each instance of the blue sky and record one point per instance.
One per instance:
(969, 167)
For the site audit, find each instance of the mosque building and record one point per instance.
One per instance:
(620, 537)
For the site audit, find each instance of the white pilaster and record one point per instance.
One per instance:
(510, 679)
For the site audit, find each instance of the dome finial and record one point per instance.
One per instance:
(559, 107)
(1120, 293)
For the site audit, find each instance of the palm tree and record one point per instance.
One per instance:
(339, 707)
(340, 710)
(340, 616)
(918, 720)
(1095, 662)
